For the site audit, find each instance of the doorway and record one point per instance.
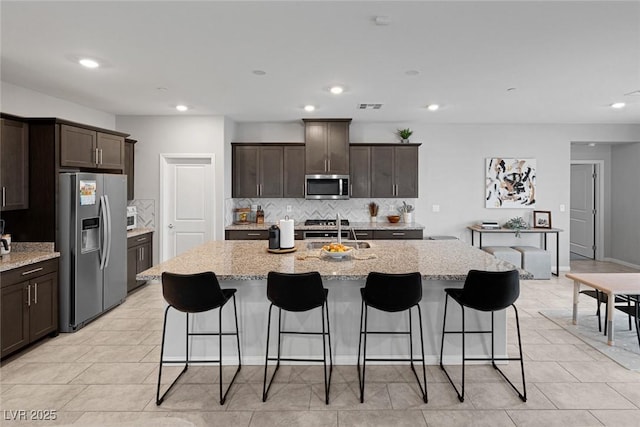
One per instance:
(586, 213)
(186, 202)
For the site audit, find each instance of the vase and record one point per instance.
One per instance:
(404, 141)
(407, 217)
(374, 219)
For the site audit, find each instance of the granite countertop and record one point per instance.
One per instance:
(26, 253)
(382, 225)
(138, 231)
(249, 260)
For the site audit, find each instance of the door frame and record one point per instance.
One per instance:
(165, 159)
(599, 203)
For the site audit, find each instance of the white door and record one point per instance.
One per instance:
(582, 232)
(186, 203)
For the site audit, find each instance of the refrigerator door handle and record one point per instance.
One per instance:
(109, 230)
(104, 227)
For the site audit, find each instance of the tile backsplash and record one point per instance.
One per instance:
(355, 210)
(146, 212)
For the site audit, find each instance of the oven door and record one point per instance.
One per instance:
(326, 187)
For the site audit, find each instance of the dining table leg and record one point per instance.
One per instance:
(576, 295)
(610, 308)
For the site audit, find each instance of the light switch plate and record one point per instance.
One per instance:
(288, 208)
(435, 208)
(563, 208)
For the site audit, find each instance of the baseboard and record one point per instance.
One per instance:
(625, 263)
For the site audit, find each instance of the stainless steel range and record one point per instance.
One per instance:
(323, 232)
(326, 222)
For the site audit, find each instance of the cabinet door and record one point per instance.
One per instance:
(382, 176)
(360, 167)
(43, 312)
(132, 268)
(111, 151)
(271, 175)
(293, 172)
(14, 165)
(15, 318)
(129, 157)
(315, 137)
(245, 172)
(145, 257)
(78, 147)
(338, 148)
(406, 171)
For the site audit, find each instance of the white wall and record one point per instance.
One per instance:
(625, 203)
(24, 102)
(176, 134)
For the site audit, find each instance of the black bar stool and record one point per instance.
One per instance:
(485, 291)
(196, 293)
(391, 293)
(297, 292)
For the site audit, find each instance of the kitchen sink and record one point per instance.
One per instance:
(352, 244)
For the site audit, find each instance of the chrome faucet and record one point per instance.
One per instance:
(339, 224)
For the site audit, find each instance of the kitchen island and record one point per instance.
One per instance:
(244, 265)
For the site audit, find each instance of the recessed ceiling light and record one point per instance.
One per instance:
(259, 72)
(412, 72)
(433, 107)
(618, 105)
(511, 89)
(161, 88)
(336, 90)
(89, 63)
(381, 20)
(591, 144)
(181, 107)
(309, 108)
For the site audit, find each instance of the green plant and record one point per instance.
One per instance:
(518, 223)
(405, 208)
(405, 133)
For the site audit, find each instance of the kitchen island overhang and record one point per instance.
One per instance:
(244, 265)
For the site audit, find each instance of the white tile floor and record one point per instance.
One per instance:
(105, 374)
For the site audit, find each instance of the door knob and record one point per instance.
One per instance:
(170, 225)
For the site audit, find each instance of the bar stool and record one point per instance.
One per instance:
(196, 293)
(391, 293)
(297, 293)
(485, 291)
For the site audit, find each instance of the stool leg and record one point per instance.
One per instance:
(360, 346)
(220, 352)
(444, 324)
(524, 384)
(235, 313)
(266, 359)
(425, 397)
(223, 398)
(461, 395)
(364, 354)
(326, 306)
(411, 343)
(160, 399)
(324, 358)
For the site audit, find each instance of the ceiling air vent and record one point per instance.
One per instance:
(369, 106)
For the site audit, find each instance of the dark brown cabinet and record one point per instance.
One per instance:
(29, 304)
(360, 171)
(129, 166)
(139, 258)
(394, 171)
(397, 234)
(257, 171)
(293, 171)
(14, 165)
(246, 234)
(87, 148)
(327, 146)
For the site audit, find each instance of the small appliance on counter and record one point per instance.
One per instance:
(132, 218)
(5, 240)
(274, 237)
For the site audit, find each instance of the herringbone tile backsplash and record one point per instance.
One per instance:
(355, 210)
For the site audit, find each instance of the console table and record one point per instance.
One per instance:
(544, 231)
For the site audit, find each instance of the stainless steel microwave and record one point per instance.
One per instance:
(326, 187)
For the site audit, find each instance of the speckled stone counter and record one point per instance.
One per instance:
(249, 260)
(244, 265)
(26, 253)
(138, 231)
(382, 225)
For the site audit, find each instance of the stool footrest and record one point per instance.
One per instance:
(303, 333)
(293, 359)
(385, 333)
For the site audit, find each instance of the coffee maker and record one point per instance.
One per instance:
(5, 240)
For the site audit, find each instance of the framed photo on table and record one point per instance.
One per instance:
(542, 219)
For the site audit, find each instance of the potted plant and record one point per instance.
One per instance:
(407, 212)
(404, 134)
(518, 223)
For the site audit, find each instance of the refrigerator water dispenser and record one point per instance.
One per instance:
(90, 235)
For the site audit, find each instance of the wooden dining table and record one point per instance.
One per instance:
(611, 284)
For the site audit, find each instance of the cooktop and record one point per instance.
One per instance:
(330, 222)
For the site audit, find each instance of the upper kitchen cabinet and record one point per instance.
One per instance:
(360, 171)
(327, 146)
(394, 170)
(294, 171)
(14, 164)
(90, 149)
(129, 162)
(257, 170)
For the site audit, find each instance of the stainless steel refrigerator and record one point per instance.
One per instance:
(92, 240)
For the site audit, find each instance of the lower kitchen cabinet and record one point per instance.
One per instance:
(139, 258)
(397, 234)
(246, 234)
(29, 305)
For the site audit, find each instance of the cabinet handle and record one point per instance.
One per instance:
(141, 239)
(101, 162)
(261, 189)
(350, 190)
(257, 189)
(142, 251)
(253, 234)
(29, 295)
(96, 154)
(325, 165)
(361, 234)
(35, 288)
(397, 234)
(139, 254)
(4, 196)
(329, 165)
(35, 270)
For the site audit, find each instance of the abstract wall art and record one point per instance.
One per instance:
(510, 183)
